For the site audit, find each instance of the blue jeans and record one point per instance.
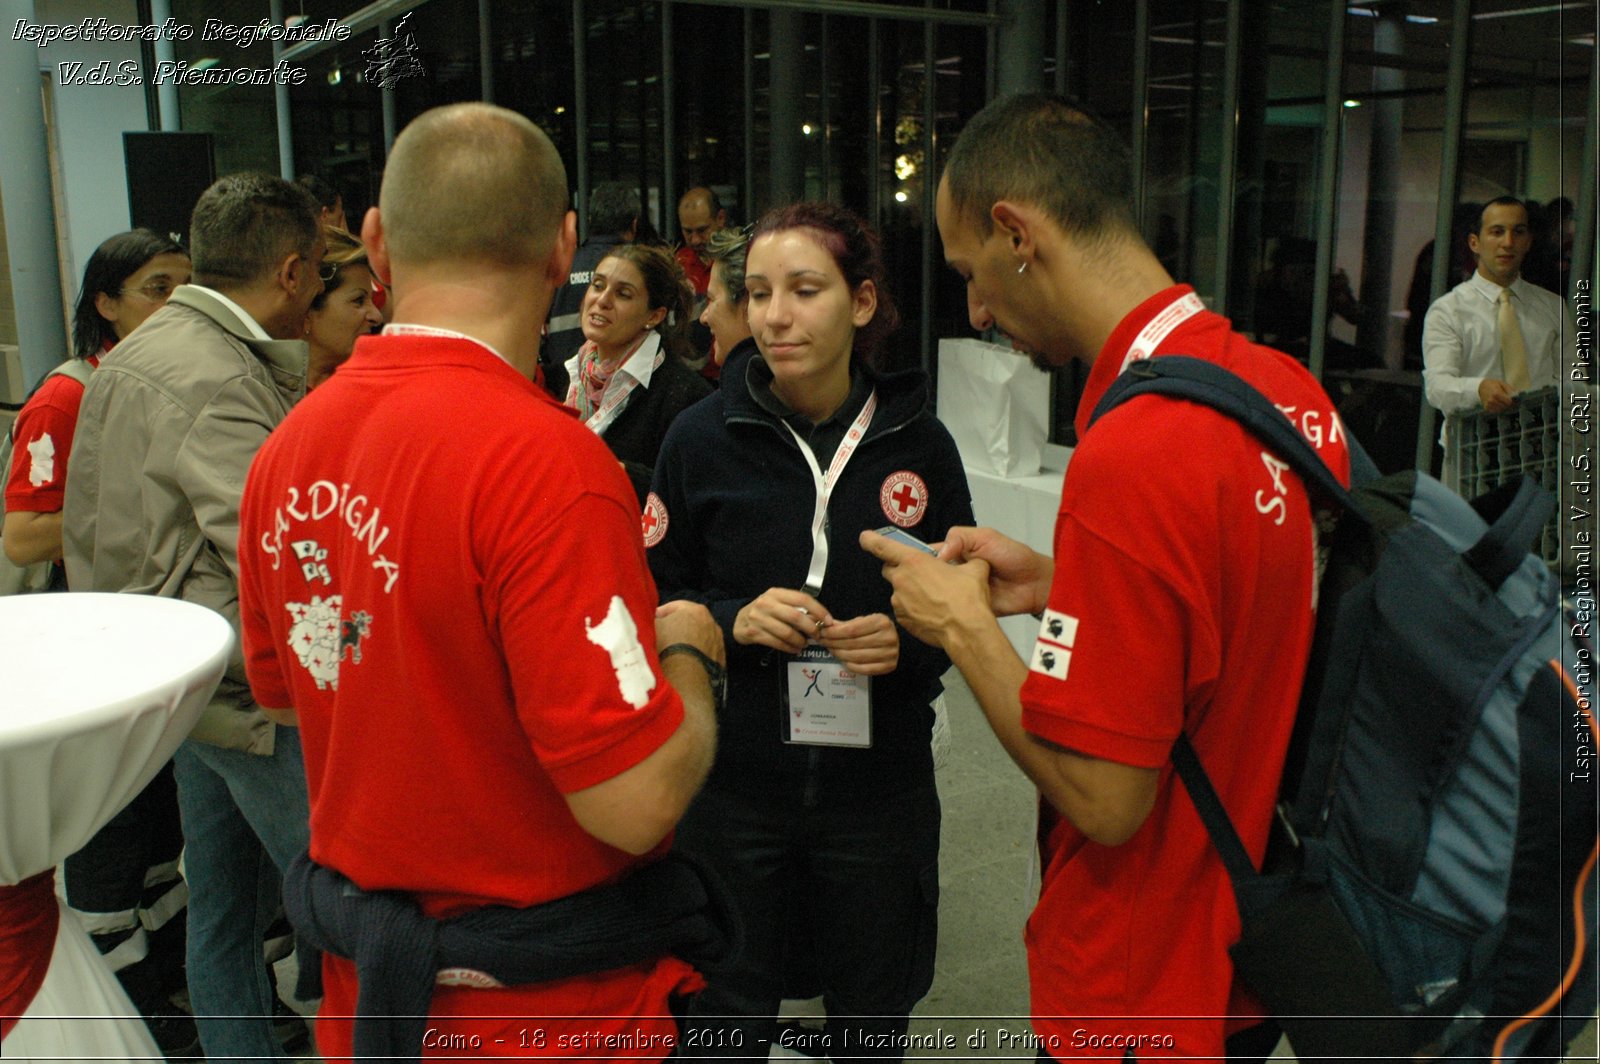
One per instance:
(244, 817)
(863, 883)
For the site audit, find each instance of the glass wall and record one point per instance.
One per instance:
(1097, 67)
(905, 141)
(1525, 115)
(622, 46)
(445, 34)
(708, 109)
(1295, 154)
(241, 118)
(1280, 146)
(337, 123)
(959, 92)
(1184, 136)
(530, 60)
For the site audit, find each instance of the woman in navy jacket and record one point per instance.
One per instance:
(822, 796)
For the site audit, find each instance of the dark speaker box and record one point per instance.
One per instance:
(167, 172)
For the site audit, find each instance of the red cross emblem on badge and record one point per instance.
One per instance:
(904, 498)
(653, 522)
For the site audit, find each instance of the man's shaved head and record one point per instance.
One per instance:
(700, 198)
(472, 182)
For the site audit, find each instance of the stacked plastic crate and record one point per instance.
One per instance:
(1527, 440)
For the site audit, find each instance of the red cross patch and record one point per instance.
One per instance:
(904, 498)
(654, 520)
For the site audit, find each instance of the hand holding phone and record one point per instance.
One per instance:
(905, 539)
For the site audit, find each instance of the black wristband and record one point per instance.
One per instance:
(714, 672)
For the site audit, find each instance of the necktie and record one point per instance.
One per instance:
(1513, 353)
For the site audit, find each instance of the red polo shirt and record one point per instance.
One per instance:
(1182, 600)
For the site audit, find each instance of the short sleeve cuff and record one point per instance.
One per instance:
(655, 726)
(46, 500)
(1135, 750)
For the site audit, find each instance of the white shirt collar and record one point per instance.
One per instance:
(1491, 291)
(243, 315)
(641, 365)
(408, 328)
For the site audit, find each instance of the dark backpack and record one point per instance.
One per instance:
(1429, 884)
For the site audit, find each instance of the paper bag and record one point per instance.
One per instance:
(995, 404)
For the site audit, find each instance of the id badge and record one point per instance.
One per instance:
(827, 704)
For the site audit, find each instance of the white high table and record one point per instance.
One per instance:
(99, 692)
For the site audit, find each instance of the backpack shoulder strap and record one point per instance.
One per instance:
(1219, 825)
(1516, 511)
(76, 368)
(1183, 377)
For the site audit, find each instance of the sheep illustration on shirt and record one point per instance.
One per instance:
(319, 637)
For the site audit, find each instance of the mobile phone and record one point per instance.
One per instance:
(904, 538)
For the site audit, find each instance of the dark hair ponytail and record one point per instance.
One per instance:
(666, 286)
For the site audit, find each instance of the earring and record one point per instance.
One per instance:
(1024, 266)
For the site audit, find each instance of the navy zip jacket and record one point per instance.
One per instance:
(674, 905)
(730, 517)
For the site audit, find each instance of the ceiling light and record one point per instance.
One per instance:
(1543, 9)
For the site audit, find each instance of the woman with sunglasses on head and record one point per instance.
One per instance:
(128, 278)
(123, 885)
(629, 380)
(344, 311)
(823, 785)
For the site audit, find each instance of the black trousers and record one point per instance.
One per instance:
(860, 883)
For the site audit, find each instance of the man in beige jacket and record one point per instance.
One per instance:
(168, 428)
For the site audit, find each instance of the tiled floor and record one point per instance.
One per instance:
(979, 999)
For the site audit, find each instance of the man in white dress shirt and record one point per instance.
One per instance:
(1468, 362)
(1494, 335)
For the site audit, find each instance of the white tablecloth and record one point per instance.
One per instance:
(100, 691)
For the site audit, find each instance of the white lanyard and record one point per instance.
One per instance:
(412, 329)
(825, 483)
(1160, 327)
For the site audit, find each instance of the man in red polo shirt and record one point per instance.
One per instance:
(700, 216)
(1180, 596)
(443, 581)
